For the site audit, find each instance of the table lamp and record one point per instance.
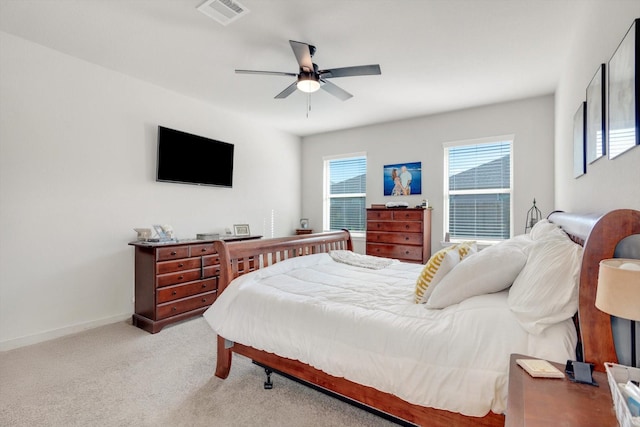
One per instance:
(618, 292)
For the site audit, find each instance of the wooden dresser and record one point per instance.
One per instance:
(174, 281)
(404, 234)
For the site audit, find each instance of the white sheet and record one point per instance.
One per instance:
(362, 325)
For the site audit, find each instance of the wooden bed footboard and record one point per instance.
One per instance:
(245, 256)
(599, 234)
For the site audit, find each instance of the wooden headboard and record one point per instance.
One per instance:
(599, 234)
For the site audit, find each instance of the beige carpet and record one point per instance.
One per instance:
(119, 375)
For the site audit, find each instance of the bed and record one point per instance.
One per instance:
(327, 352)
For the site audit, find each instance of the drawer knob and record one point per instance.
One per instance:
(406, 226)
(204, 300)
(174, 293)
(181, 265)
(204, 249)
(406, 252)
(173, 252)
(406, 237)
(204, 285)
(180, 277)
(174, 308)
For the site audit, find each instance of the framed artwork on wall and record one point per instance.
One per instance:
(624, 94)
(579, 159)
(402, 179)
(596, 135)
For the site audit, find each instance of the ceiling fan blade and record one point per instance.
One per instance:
(302, 51)
(288, 91)
(335, 90)
(359, 70)
(271, 73)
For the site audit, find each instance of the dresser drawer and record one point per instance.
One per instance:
(403, 215)
(179, 265)
(211, 271)
(183, 305)
(163, 254)
(402, 252)
(203, 249)
(170, 293)
(376, 214)
(179, 277)
(211, 260)
(409, 226)
(396, 238)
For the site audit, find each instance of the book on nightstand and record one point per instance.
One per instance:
(540, 368)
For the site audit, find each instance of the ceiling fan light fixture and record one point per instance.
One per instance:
(308, 84)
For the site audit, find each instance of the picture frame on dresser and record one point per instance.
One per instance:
(241, 230)
(596, 126)
(624, 94)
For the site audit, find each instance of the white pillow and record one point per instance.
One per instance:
(546, 290)
(438, 266)
(491, 270)
(544, 229)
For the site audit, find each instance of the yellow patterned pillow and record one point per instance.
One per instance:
(438, 266)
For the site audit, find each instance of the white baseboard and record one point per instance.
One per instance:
(57, 333)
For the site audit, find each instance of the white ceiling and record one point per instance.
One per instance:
(435, 55)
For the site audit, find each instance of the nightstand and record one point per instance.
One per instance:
(542, 402)
(301, 231)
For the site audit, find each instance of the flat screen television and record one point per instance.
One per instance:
(193, 159)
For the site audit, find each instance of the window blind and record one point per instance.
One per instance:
(479, 193)
(347, 193)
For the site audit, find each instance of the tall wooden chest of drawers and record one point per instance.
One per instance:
(404, 234)
(174, 281)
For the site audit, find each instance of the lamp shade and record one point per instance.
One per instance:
(618, 291)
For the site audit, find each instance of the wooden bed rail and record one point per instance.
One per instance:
(248, 255)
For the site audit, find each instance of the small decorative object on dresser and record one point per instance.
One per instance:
(241, 230)
(404, 234)
(304, 223)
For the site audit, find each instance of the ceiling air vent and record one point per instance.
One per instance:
(223, 11)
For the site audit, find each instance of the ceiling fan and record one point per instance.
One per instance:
(310, 78)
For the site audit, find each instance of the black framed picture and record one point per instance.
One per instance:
(596, 128)
(579, 141)
(624, 94)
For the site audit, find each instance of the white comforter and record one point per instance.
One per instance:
(362, 325)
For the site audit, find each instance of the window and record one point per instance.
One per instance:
(345, 181)
(477, 191)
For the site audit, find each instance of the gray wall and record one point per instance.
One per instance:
(608, 184)
(77, 174)
(421, 139)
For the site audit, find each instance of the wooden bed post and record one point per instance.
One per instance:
(223, 363)
(595, 325)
